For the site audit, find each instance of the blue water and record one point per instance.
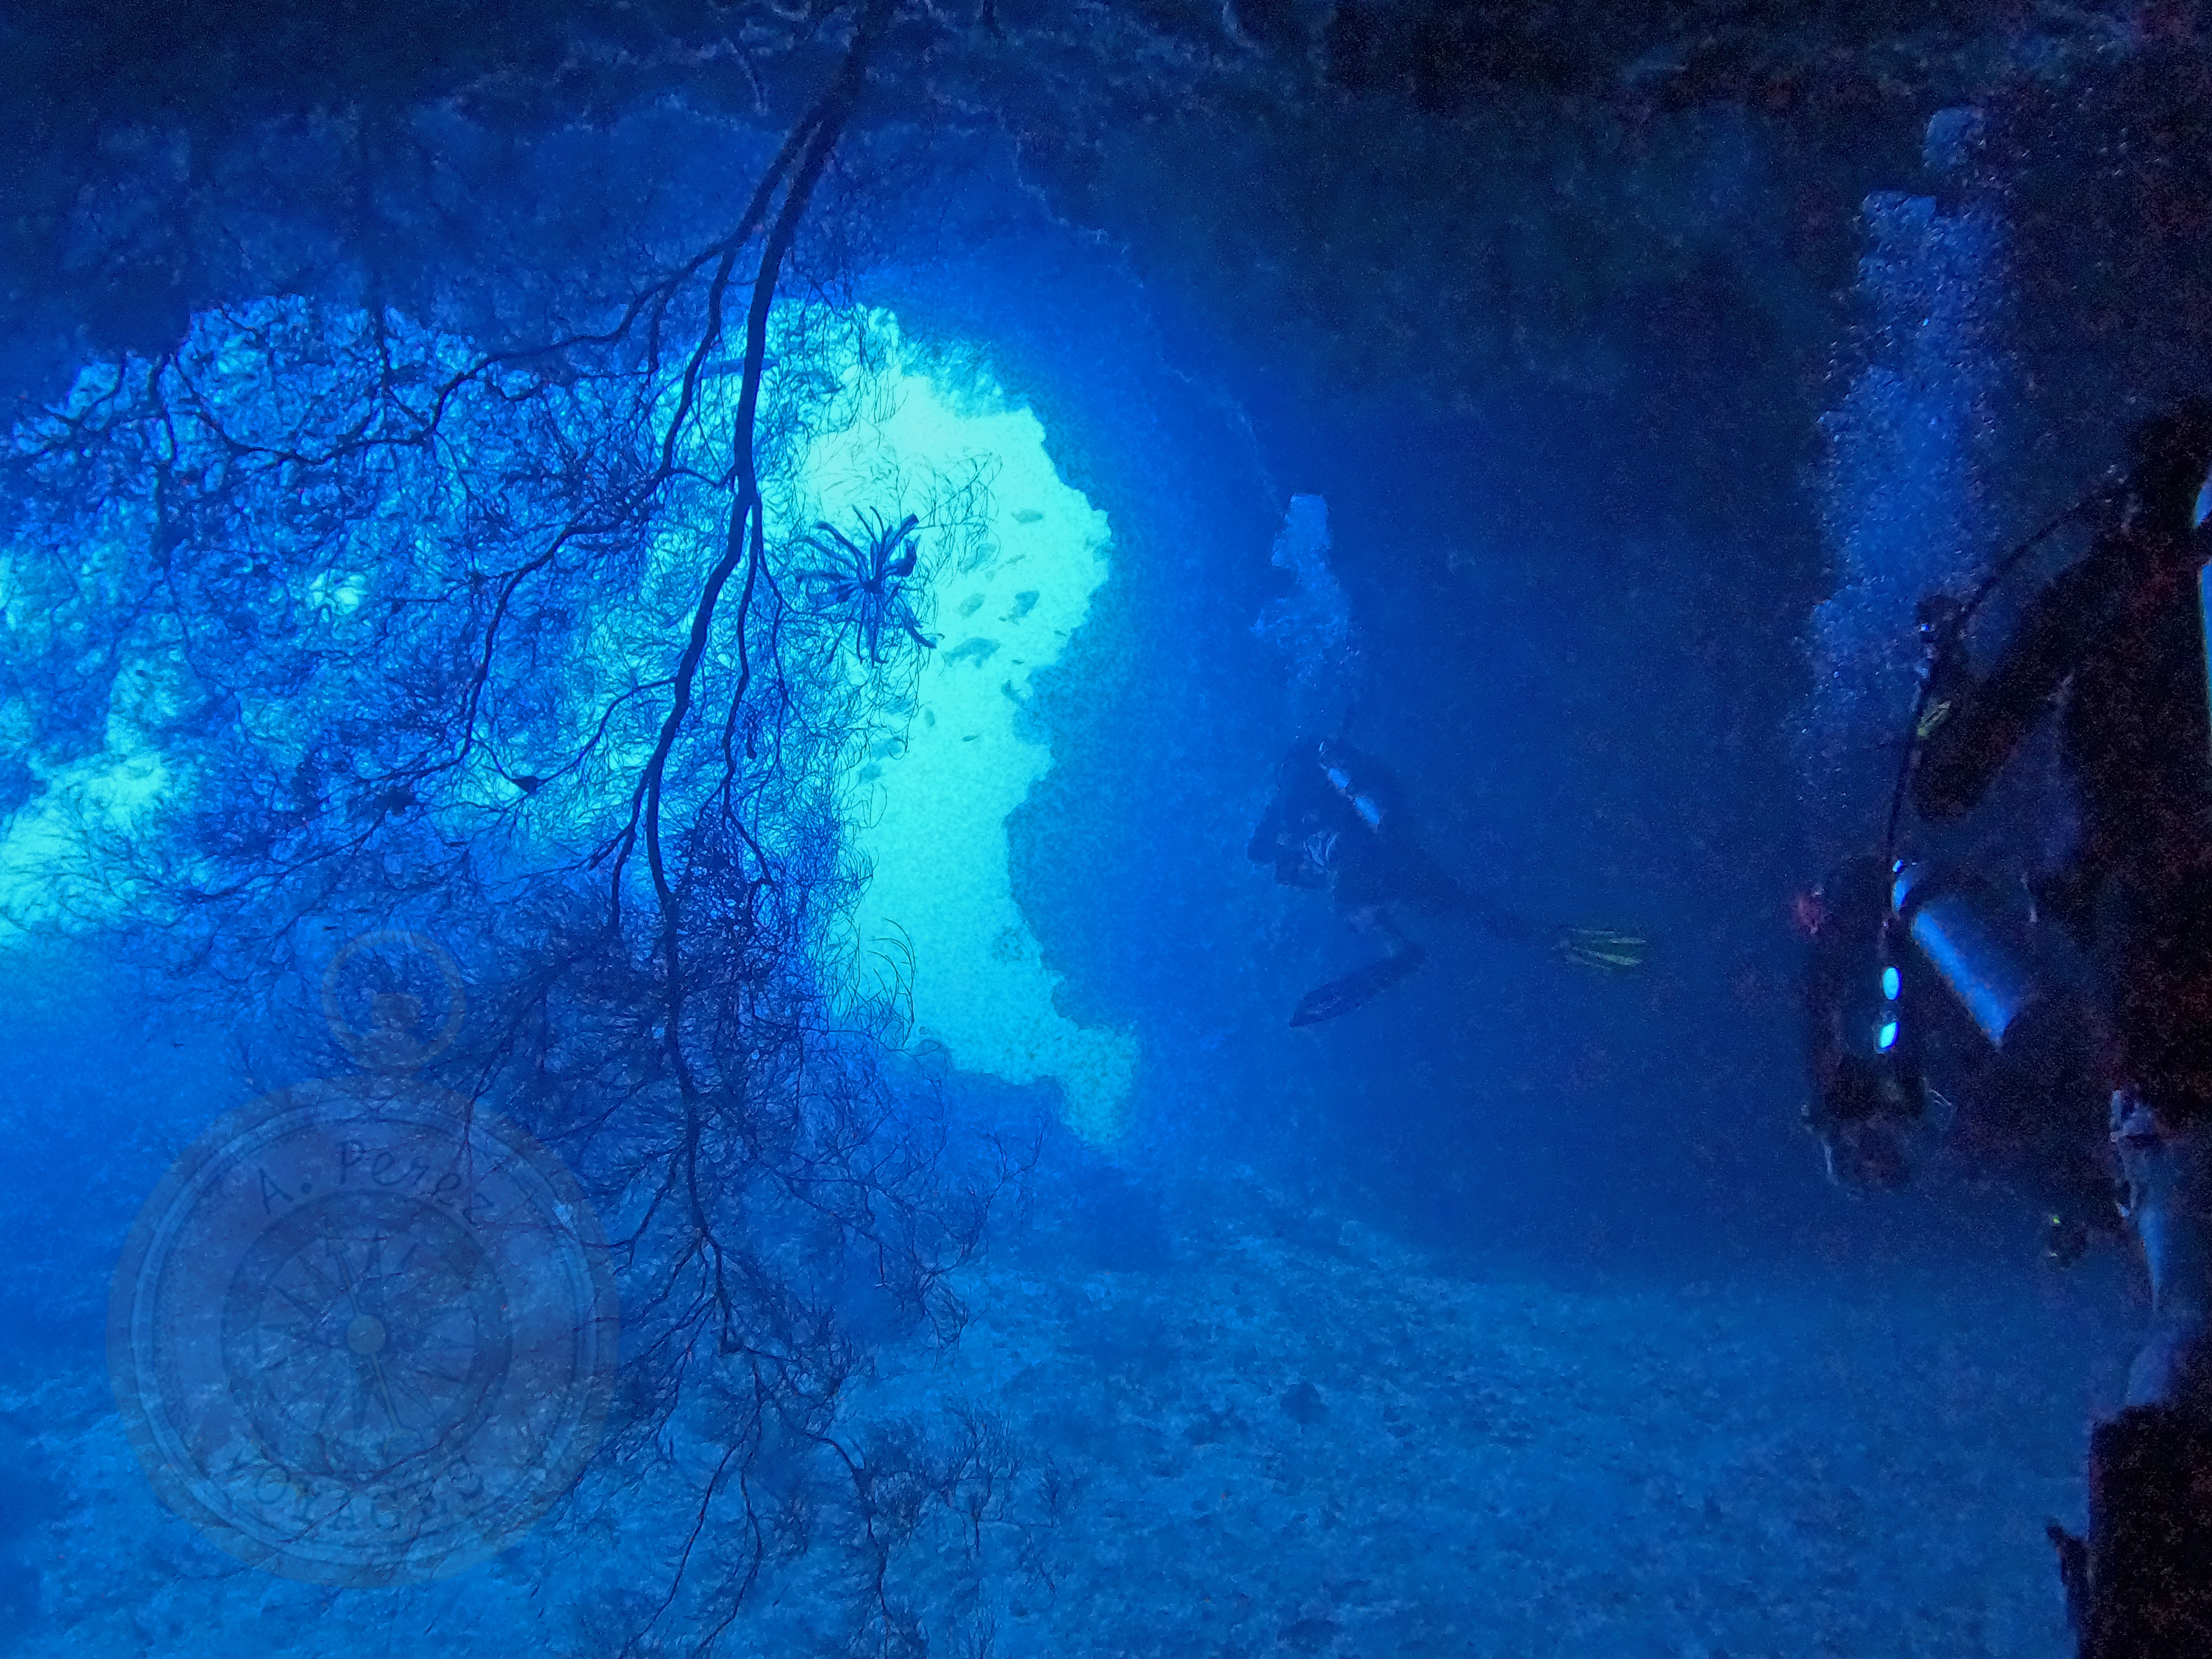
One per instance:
(1508, 1314)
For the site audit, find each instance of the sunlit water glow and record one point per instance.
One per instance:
(1004, 597)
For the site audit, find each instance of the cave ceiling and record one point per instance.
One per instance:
(1411, 190)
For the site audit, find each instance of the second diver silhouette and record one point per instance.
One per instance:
(1336, 822)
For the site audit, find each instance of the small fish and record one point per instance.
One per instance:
(980, 650)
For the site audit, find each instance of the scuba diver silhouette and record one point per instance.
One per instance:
(1337, 822)
(2117, 643)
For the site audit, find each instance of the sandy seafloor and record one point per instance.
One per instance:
(1299, 1439)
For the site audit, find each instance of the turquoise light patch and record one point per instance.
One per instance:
(1003, 598)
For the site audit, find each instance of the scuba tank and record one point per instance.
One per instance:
(1985, 965)
(2027, 997)
(1335, 767)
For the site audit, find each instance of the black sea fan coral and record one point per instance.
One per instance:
(862, 588)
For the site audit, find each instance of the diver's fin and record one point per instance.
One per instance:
(1362, 985)
(1609, 949)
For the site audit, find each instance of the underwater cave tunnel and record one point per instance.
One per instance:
(1548, 312)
